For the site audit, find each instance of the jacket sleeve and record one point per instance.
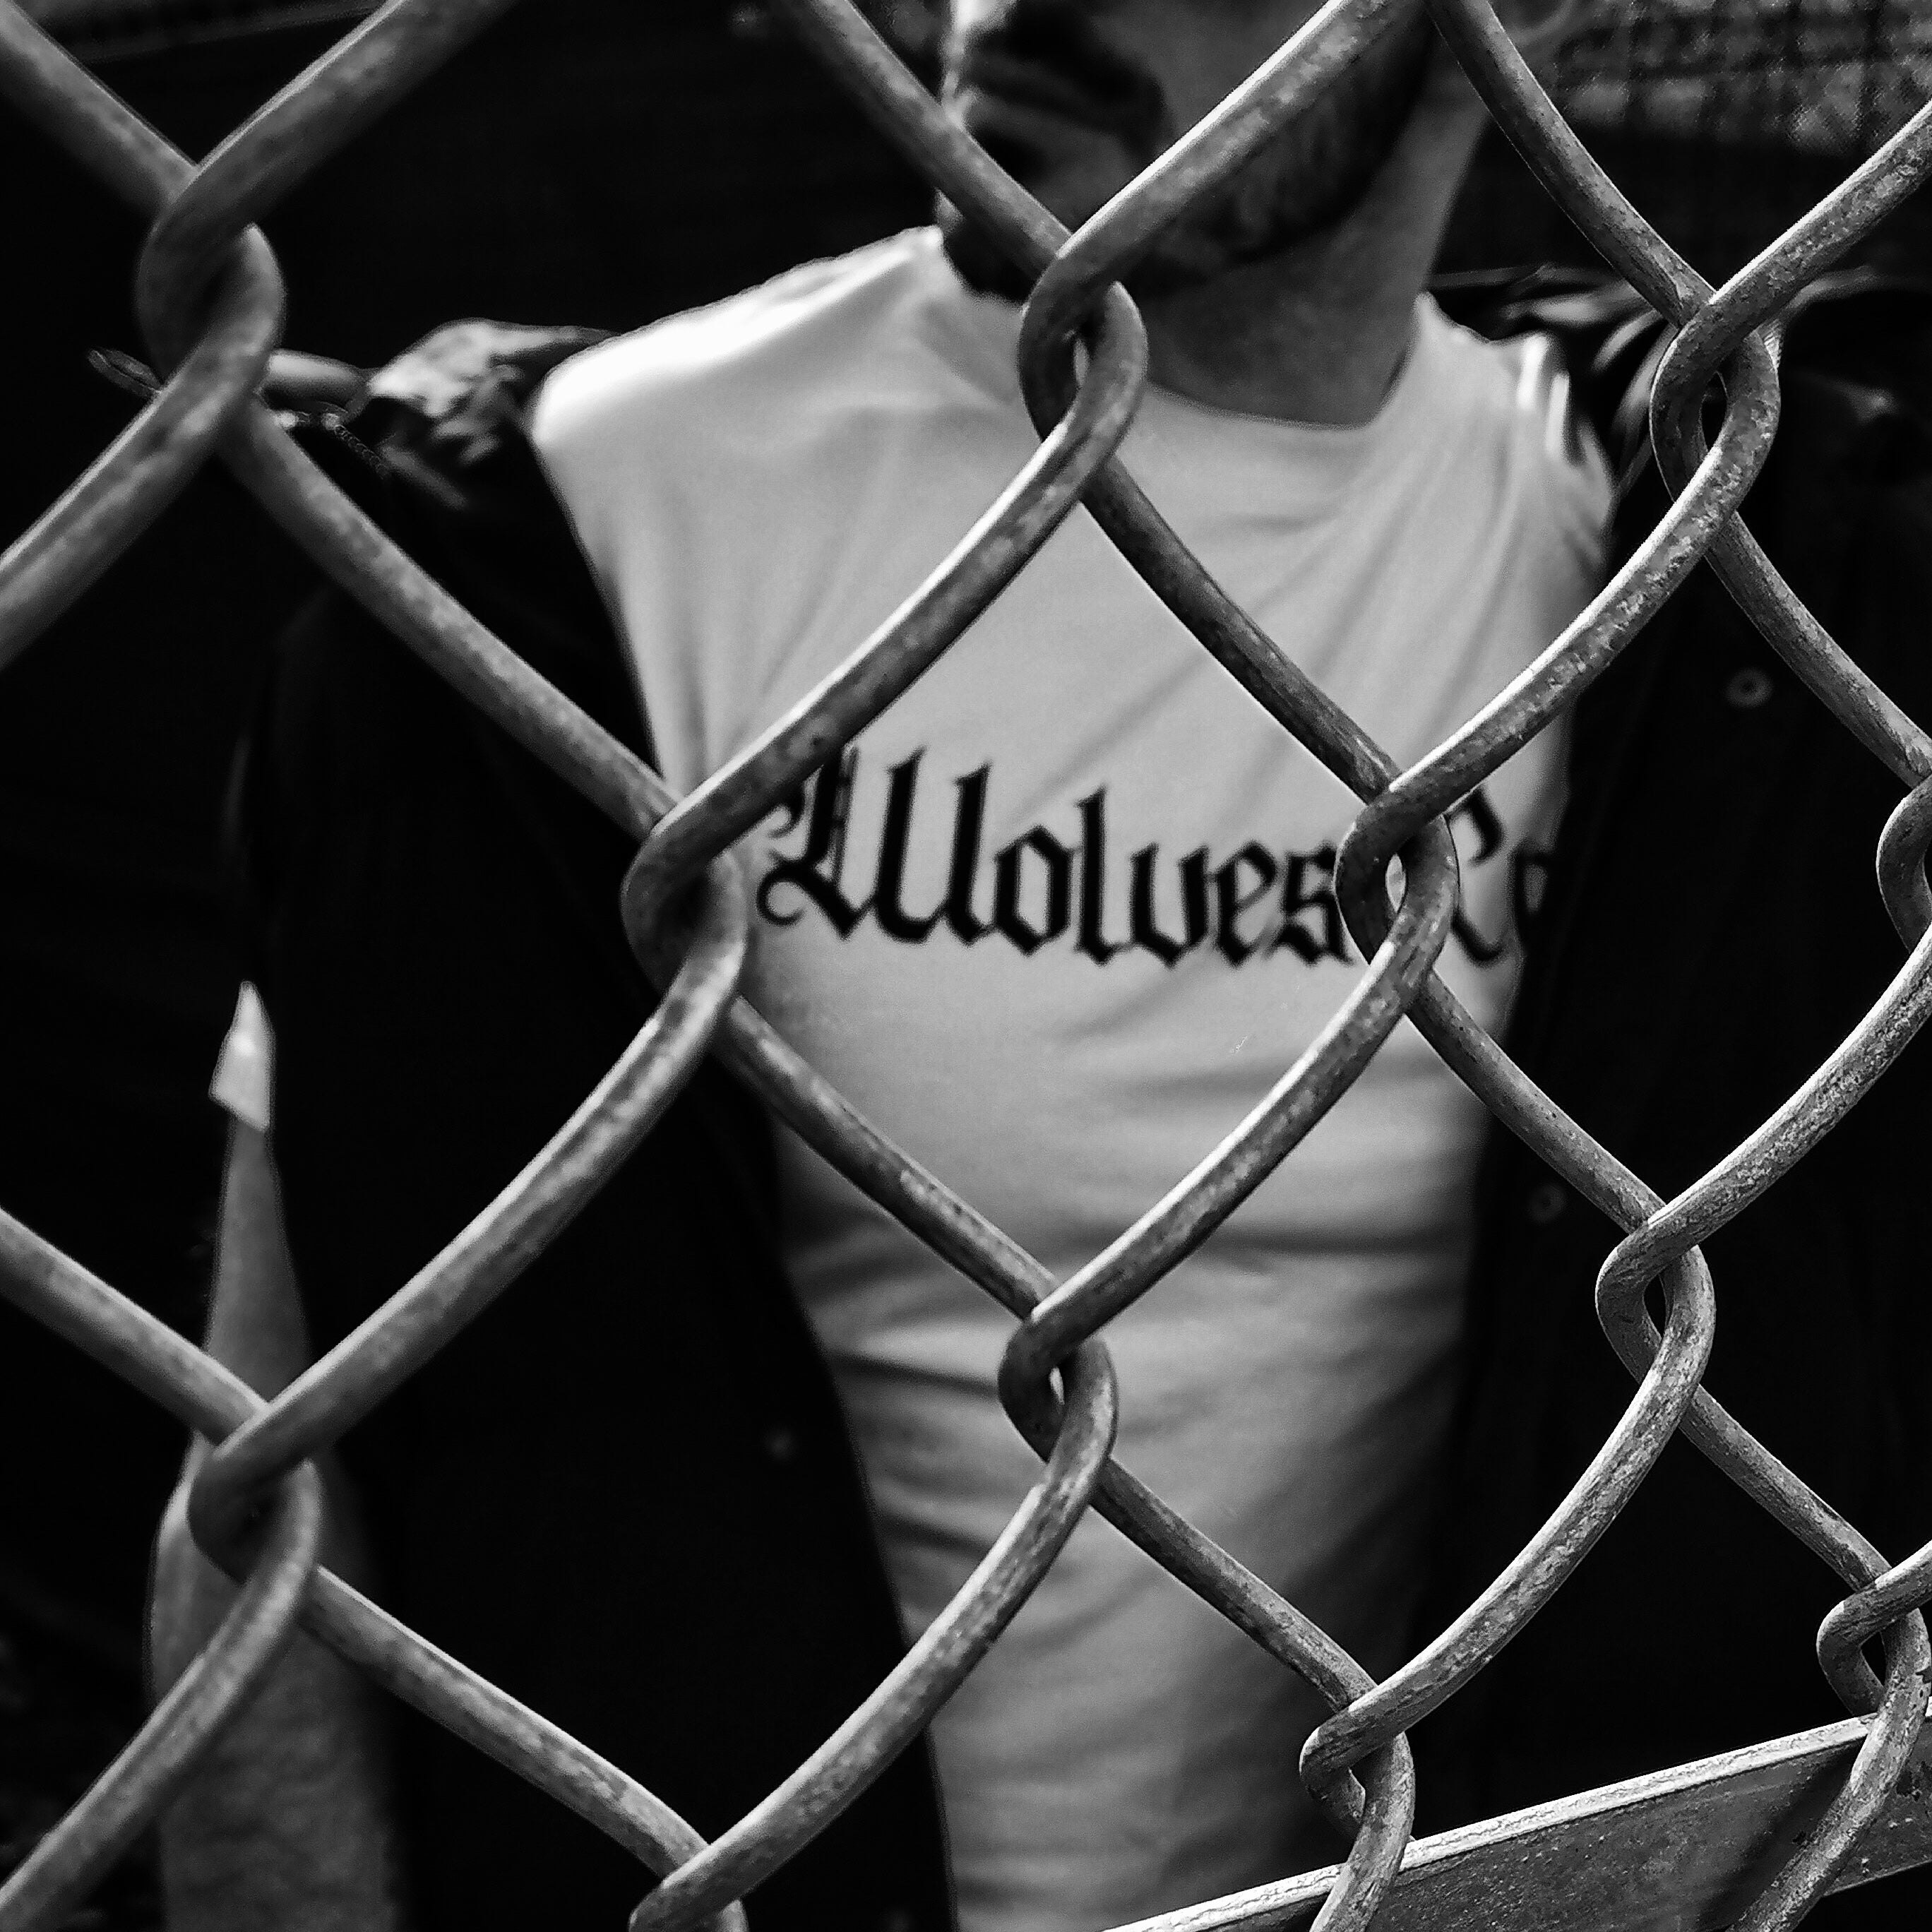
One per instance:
(594, 1494)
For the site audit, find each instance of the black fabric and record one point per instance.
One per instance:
(1712, 929)
(625, 1493)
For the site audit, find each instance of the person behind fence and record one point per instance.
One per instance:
(1055, 922)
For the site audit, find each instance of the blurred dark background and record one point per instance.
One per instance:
(589, 161)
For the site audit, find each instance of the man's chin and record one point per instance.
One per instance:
(1071, 177)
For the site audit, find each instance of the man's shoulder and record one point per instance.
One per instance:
(1579, 346)
(811, 333)
(1520, 375)
(1508, 405)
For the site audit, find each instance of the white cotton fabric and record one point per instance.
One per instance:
(759, 485)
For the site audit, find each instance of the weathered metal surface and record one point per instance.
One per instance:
(1761, 1833)
(1684, 1850)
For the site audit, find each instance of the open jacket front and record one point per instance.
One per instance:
(626, 1493)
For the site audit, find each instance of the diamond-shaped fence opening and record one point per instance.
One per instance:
(209, 296)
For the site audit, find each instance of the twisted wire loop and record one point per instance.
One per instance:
(209, 298)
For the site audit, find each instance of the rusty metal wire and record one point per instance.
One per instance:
(210, 303)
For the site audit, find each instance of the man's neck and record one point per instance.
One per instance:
(1263, 341)
(1319, 334)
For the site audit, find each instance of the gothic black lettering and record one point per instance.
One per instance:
(1258, 901)
(791, 809)
(969, 818)
(1299, 895)
(816, 870)
(1231, 901)
(1194, 895)
(1489, 830)
(1482, 817)
(1143, 930)
(890, 886)
(1009, 883)
(1093, 940)
(1484, 952)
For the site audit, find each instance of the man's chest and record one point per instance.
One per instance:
(1068, 908)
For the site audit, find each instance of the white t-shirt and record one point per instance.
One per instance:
(1056, 923)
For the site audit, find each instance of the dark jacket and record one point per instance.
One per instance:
(1712, 929)
(626, 1493)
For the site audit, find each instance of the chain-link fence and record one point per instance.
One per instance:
(210, 299)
